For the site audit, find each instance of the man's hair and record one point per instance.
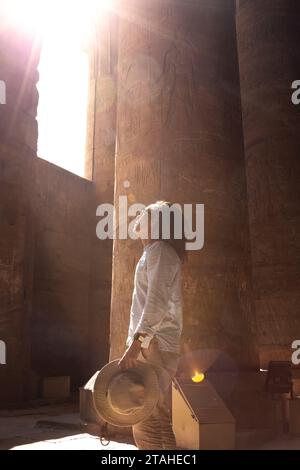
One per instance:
(167, 221)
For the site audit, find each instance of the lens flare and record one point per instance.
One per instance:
(198, 377)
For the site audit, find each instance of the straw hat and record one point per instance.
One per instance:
(125, 398)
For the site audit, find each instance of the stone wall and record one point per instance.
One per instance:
(62, 233)
(18, 142)
(55, 273)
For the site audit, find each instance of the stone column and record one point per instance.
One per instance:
(18, 143)
(179, 137)
(268, 36)
(100, 168)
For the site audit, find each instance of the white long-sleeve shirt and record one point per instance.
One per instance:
(156, 301)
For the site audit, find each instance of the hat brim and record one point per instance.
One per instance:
(102, 405)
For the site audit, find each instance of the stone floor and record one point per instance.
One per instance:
(50, 427)
(59, 428)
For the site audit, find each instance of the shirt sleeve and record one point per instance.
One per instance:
(161, 269)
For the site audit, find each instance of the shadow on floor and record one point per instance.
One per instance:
(51, 427)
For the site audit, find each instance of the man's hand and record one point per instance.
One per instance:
(129, 358)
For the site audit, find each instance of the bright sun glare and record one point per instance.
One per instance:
(64, 26)
(198, 377)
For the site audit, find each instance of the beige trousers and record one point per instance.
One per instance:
(155, 432)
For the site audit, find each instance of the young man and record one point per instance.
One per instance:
(156, 319)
